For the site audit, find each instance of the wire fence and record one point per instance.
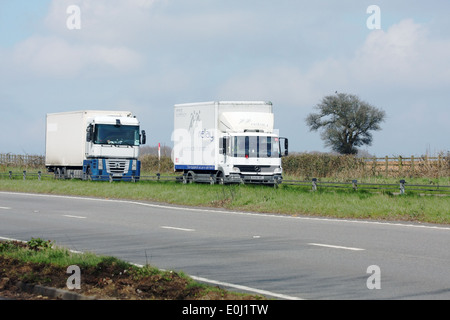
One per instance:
(406, 165)
(402, 187)
(19, 160)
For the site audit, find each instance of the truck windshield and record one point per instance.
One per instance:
(118, 135)
(256, 147)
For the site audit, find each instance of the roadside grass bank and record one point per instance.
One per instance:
(286, 199)
(40, 262)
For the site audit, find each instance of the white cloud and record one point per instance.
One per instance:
(101, 47)
(109, 22)
(53, 56)
(405, 56)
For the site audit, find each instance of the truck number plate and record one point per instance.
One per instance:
(257, 178)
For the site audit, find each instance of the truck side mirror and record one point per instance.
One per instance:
(143, 137)
(286, 147)
(89, 133)
(224, 145)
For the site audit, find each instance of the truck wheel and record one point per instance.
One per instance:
(190, 177)
(87, 175)
(60, 173)
(220, 179)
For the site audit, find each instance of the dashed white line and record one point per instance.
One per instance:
(245, 288)
(5, 208)
(75, 217)
(10, 239)
(239, 287)
(335, 247)
(179, 229)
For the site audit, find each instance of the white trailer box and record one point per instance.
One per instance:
(73, 143)
(227, 141)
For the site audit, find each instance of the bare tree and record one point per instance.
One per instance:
(345, 121)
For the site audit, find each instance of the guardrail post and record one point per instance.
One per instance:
(355, 184)
(10, 175)
(158, 175)
(24, 175)
(402, 186)
(314, 184)
(39, 175)
(110, 178)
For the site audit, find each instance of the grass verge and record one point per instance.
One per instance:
(39, 262)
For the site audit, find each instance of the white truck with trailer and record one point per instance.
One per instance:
(227, 142)
(93, 144)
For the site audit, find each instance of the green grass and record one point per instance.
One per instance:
(58, 256)
(39, 261)
(287, 199)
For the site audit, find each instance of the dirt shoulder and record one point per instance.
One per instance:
(108, 279)
(103, 282)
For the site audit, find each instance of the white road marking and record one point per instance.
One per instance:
(5, 208)
(175, 228)
(10, 239)
(335, 247)
(239, 287)
(248, 289)
(75, 217)
(220, 283)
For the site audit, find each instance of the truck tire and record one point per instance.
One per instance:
(220, 178)
(190, 177)
(87, 175)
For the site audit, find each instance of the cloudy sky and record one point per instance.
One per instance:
(147, 55)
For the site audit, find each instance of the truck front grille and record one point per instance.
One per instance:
(256, 169)
(116, 166)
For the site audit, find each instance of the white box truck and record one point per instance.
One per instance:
(227, 142)
(93, 144)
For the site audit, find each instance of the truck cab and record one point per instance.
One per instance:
(251, 157)
(94, 145)
(112, 148)
(227, 142)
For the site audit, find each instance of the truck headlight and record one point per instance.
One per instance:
(236, 170)
(277, 171)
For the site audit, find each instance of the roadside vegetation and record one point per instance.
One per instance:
(369, 202)
(41, 262)
(365, 203)
(287, 199)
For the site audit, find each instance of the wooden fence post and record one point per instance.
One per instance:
(387, 166)
(314, 184)
(402, 186)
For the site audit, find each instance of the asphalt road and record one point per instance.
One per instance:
(280, 256)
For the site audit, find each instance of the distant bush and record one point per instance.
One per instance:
(150, 163)
(323, 165)
(339, 167)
